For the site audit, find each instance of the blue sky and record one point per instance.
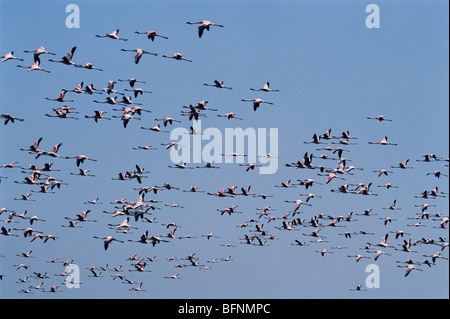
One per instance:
(332, 72)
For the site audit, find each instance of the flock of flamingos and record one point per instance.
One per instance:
(130, 220)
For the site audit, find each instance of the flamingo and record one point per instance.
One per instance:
(308, 182)
(208, 165)
(365, 190)
(402, 165)
(358, 288)
(250, 166)
(378, 253)
(392, 207)
(309, 196)
(127, 101)
(383, 172)
(108, 240)
(324, 251)
(330, 177)
(388, 185)
(257, 103)
(80, 159)
(88, 66)
(151, 34)
(139, 53)
(218, 84)
(298, 203)
(230, 115)
(181, 166)
(202, 106)
(265, 88)
(125, 117)
(399, 233)
(193, 114)
(131, 81)
(138, 288)
(10, 118)
(27, 231)
(380, 118)
(60, 98)
(113, 35)
(62, 114)
(137, 91)
(97, 116)
(437, 174)
(38, 52)
(424, 207)
(383, 242)
(428, 158)
(384, 141)
(67, 60)
(167, 120)
(177, 56)
(409, 268)
(9, 56)
(358, 257)
(110, 88)
(34, 67)
(204, 25)
(144, 147)
(316, 140)
(155, 128)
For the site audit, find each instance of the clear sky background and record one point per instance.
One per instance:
(332, 72)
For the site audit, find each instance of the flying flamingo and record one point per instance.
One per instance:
(9, 56)
(219, 85)
(167, 120)
(151, 34)
(83, 172)
(9, 118)
(34, 67)
(80, 159)
(204, 25)
(125, 117)
(108, 240)
(383, 172)
(139, 53)
(380, 118)
(97, 116)
(256, 103)
(409, 268)
(358, 257)
(131, 81)
(137, 91)
(112, 35)
(265, 88)
(402, 165)
(38, 52)
(437, 174)
(88, 66)
(250, 166)
(181, 166)
(155, 128)
(230, 115)
(392, 207)
(60, 98)
(177, 56)
(67, 60)
(384, 141)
